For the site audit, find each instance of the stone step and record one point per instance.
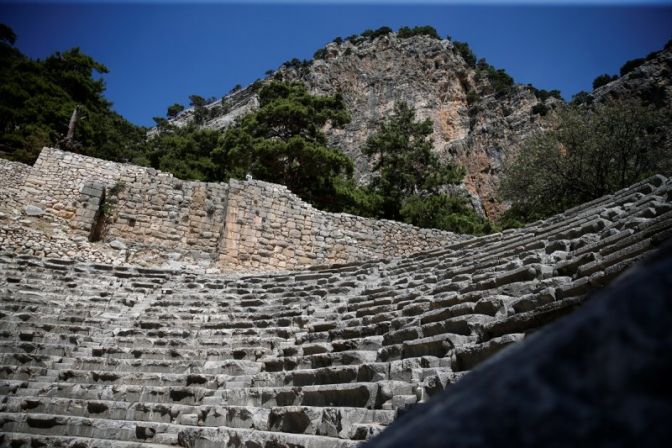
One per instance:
(324, 375)
(196, 437)
(343, 358)
(148, 329)
(192, 395)
(361, 395)
(324, 421)
(86, 349)
(44, 372)
(462, 261)
(70, 426)
(45, 375)
(438, 345)
(23, 440)
(189, 341)
(228, 367)
(529, 321)
(467, 357)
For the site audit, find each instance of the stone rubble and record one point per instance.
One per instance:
(110, 354)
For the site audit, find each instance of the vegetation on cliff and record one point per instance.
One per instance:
(593, 147)
(408, 177)
(283, 142)
(37, 98)
(591, 152)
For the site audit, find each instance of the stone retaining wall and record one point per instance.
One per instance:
(57, 178)
(12, 176)
(158, 211)
(236, 225)
(266, 224)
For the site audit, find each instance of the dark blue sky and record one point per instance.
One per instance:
(159, 54)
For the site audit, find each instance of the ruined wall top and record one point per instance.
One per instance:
(156, 218)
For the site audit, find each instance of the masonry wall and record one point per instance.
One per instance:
(164, 214)
(266, 224)
(58, 177)
(152, 212)
(246, 225)
(12, 177)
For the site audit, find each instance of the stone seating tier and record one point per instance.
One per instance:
(119, 356)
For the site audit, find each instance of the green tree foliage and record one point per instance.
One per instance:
(406, 32)
(543, 95)
(444, 212)
(283, 142)
(354, 39)
(500, 80)
(466, 53)
(201, 113)
(403, 161)
(582, 97)
(591, 153)
(631, 65)
(603, 80)
(160, 122)
(382, 31)
(7, 35)
(185, 152)
(174, 109)
(473, 97)
(407, 176)
(540, 109)
(37, 98)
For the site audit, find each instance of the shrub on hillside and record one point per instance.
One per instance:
(500, 80)
(603, 80)
(591, 153)
(407, 176)
(382, 31)
(444, 212)
(631, 65)
(466, 53)
(37, 99)
(406, 32)
(540, 109)
(174, 110)
(543, 95)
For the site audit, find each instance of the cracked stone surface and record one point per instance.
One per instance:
(120, 355)
(596, 378)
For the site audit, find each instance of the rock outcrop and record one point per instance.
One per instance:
(473, 125)
(650, 81)
(102, 355)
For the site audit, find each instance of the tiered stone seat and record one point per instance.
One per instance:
(97, 355)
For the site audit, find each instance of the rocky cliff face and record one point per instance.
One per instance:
(473, 126)
(476, 124)
(651, 81)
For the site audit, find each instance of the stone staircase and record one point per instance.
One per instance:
(100, 355)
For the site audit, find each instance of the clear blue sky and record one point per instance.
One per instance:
(160, 53)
